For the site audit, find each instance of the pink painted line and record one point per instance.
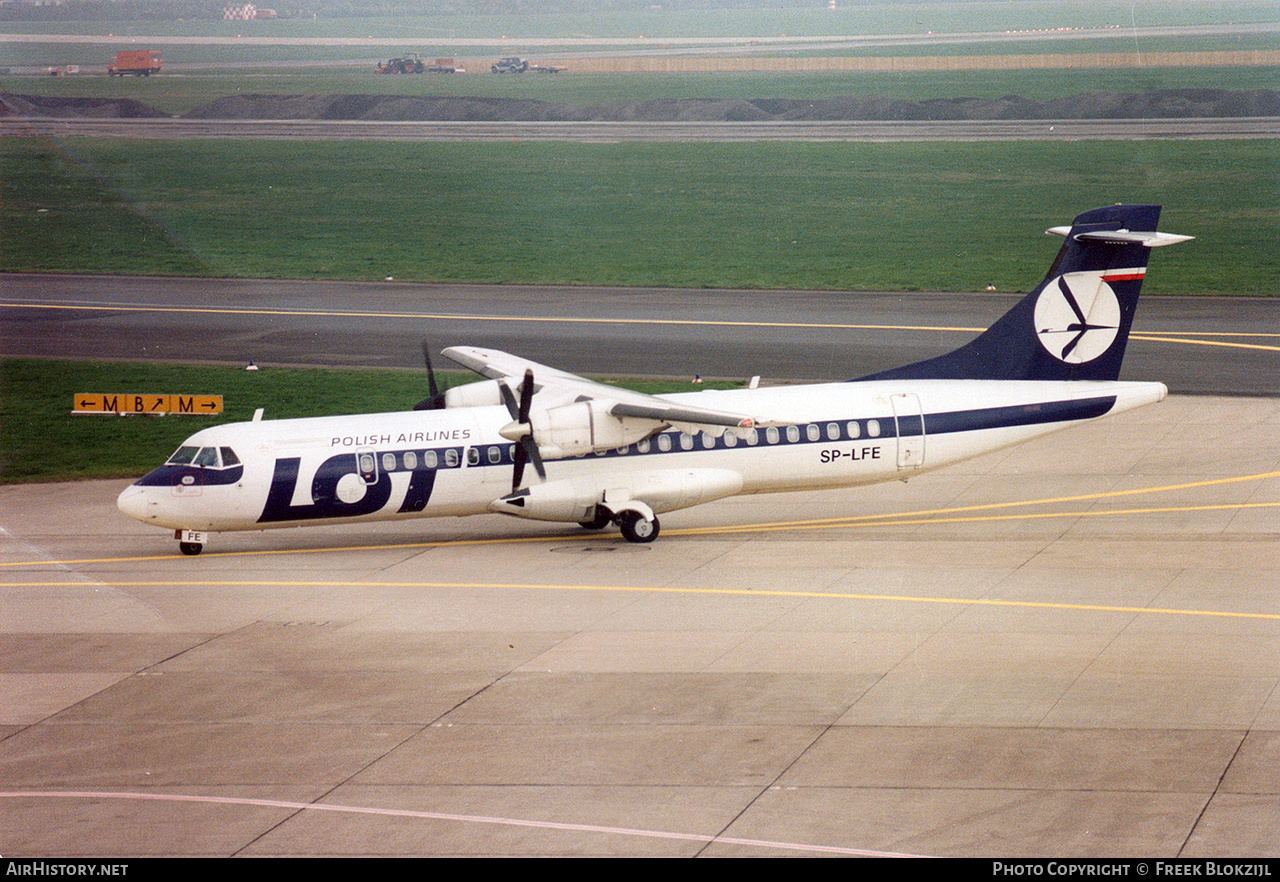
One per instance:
(442, 816)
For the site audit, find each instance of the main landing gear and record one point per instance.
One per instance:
(636, 525)
(638, 528)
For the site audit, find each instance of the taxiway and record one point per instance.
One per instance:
(1221, 345)
(1072, 648)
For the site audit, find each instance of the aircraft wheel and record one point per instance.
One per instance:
(601, 519)
(191, 548)
(637, 528)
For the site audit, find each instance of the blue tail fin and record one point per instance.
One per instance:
(1075, 324)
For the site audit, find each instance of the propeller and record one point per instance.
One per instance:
(521, 430)
(436, 400)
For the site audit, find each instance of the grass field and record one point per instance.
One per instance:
(178, 94)
(42, 442)
(769, 215)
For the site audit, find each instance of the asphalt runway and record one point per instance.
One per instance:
(606, 132)
(1067, 649)
(447, 39)
(1224, 346)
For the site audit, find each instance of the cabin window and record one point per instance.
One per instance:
(753, 438)
(852, 428)
(473, 456)
(207, 458)
(793, 434)
(495, 455)
(686, 441)
(430, 460)
(229, 457)
(664, 443)
(771, 434)
(451, 458)
(708, 440)
(811, 432)
(410, 460)
(183, 455)
(368, 467)
(873, 428)
(388, 462)
(833, 432)
(730, 439)
(643, 446)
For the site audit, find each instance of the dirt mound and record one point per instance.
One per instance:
(92, 108)
(1157, 104)
(280, 107)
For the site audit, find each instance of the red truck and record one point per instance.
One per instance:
(135, 62)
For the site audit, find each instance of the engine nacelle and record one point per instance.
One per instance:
(574, 499)
(483, 394)
(584, 427)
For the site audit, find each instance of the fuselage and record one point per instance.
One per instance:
(368, 467)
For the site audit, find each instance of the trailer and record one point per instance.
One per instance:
(446, 65)
(135, 62)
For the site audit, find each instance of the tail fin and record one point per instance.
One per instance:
(1075, 324)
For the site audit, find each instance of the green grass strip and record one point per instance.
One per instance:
(950, 216)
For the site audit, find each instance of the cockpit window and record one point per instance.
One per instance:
(204, 457)
(183, 455)
(207, 458)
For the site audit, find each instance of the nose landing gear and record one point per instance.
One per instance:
(190, 542)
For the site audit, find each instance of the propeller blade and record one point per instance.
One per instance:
(436, 399)
(517, 475)
(509, 399)
(531, 447)
(431, 374)
(526, 396)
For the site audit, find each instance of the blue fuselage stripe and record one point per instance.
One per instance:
(1014, 415)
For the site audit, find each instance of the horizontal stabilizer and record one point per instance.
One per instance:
(1152, 239)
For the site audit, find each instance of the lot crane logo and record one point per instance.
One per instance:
(1077, 317)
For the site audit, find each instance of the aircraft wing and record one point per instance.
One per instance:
(559, 387)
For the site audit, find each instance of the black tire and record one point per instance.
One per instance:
(637, 528)
(601, 519)
(190, 548)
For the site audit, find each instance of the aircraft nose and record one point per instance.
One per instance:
(134, 502)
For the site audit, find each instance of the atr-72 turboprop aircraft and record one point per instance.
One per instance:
(602, 455)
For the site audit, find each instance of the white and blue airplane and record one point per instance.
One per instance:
(602, 455)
